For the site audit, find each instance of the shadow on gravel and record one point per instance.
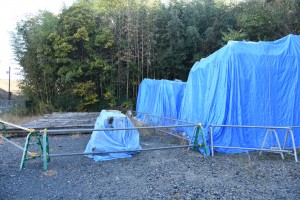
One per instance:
(168, 174)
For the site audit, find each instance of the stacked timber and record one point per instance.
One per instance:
(59, 120)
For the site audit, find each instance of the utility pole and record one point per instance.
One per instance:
(9, 93)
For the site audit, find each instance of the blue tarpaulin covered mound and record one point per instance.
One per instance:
(160, 98)
(246, 83)
(116, 140)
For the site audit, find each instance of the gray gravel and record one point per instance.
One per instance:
(168, 174)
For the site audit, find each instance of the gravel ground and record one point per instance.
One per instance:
(167, 174)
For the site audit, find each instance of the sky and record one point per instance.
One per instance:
(11, 12)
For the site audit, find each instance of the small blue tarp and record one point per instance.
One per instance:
(246, 83)
(116, 140)
(160, 98)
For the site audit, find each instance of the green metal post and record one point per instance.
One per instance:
(4, 129)
(28, 143)
(204, 140)
(202, 145)
(25, 152)
(46, 157)
(196, 138)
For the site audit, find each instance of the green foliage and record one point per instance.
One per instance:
(65, 102)
(20, 111)
(86, 92)
(96, 52)
(104, 38)
(110, 96)
(266, 20)
(127, 104)
(32, 52)
(233, 35)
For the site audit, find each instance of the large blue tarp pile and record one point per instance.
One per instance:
(160, 98)
(243, 83)
(246, 83)
(116, 140)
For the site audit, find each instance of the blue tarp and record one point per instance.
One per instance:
(107, 141)
(246, 83)
(160, 98)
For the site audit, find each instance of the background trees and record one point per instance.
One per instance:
(95, 53)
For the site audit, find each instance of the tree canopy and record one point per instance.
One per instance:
(95, 53)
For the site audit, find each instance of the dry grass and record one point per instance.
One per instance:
(144, 132)
(50, 172)
(18, 120)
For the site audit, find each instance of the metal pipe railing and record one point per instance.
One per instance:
(11, 142)
(121, 151)
(242, 126)
(165, 118)
(112, 129)
(16, 126)
(270, 129)
(254, 149)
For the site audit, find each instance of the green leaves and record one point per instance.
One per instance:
(265, 20)
(86, 91)
(81, 34)
(98, 51)
(104, 38)
(233, 35)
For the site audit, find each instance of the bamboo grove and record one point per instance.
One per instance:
(95, 53)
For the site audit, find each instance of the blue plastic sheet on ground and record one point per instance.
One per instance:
(160, 98)
(116, 140)
(246, 83)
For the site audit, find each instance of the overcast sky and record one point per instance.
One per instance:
(13, 11)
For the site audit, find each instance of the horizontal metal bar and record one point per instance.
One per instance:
(113, 129)
(241, 126)
(63, 127)
(165, 118)
(122, 151)
(14, 125)
(254, 149)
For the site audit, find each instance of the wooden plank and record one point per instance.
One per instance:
(64, 120)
